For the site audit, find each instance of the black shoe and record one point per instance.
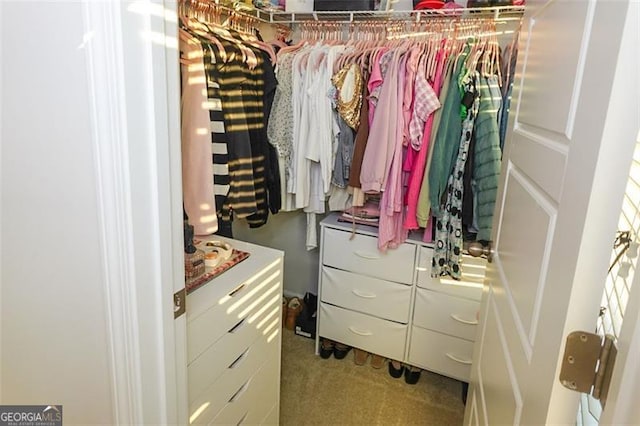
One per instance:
(326, 348)
(412, 375)
(395, 372)
(340, 351)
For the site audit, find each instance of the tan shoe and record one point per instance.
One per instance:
(294, 307)
(377, 361)
(360, 356)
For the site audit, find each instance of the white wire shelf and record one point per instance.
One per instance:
(346, 17)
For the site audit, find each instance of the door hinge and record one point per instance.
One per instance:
(179, 303)
(588, 363)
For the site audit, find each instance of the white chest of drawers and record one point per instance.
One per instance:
(234, 340)
(387, 303)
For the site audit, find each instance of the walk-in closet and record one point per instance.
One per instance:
(320, 212)
(367, 147)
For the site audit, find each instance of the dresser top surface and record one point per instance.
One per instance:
(334, 221)
(260, 257)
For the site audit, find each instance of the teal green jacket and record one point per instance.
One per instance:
(447, 142)
(487, 154)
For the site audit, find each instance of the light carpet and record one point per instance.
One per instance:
(339, 392)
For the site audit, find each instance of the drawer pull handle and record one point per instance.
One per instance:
(361, 333)
(235, 327)
(239, 392)
(237, 289)
(237, 361)
(464, 321)
(364, 295)
(460, 360)
(366, 255)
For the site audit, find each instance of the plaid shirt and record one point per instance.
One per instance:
(425, 102)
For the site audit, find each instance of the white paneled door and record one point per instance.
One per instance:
(573, 127)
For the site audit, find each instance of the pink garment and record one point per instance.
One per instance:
(417, 173)
(378, 155)
(425, 103)
(413, 59)
(197, 164)
(375, 81)
(391, 232)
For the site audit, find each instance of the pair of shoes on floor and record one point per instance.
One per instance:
(411, 374)
(294, 307)
(360, 358)
(329, 347)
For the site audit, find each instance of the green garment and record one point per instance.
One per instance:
(424, 205)
(487, 154)
(447, 140)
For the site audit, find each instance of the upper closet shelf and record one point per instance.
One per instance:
(279, 17)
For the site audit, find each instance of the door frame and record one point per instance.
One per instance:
(133, 77)
(621, 407)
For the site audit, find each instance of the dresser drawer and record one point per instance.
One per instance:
(440, 353)
(384, 299)
(447, 314)
(232, 347)
(470, 286)
(228, 309)
(252, 402)
(361, 255)
(378, 336)
(234, 381)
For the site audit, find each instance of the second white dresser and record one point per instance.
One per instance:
(387, 303)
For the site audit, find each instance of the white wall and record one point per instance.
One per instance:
(287, 231)
(53, 340)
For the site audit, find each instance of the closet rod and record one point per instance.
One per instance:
(345, 17)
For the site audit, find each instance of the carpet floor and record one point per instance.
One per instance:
(316, 391)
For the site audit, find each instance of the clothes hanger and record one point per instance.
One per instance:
(248, 37)
(193, 24)
(234, 29)
(304, 41)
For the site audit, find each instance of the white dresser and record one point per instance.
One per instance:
(234, 341)
(387, 303)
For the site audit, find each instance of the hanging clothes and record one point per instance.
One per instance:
(197, 168)
(382, 133)
(423, 209)
(447, 141)
(280, 127)
(487, 154)
(447, 252)
(510, 55)
(391, 232)
(425, 104)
